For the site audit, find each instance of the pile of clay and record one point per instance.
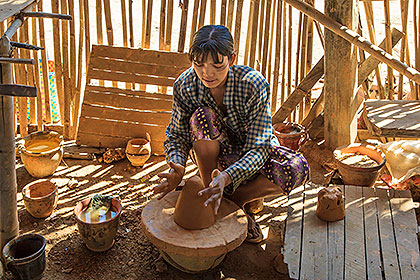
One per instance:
(357, 160)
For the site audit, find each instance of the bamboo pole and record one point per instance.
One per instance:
(320, 35)
(254, 34)
(299, 38)
(303, 52)
(230, 14)
(143, 21)
(212, 11)
(21, 78)
(30, 73)
(238, 21)
(124, 23)
(99, 28)
(223, 12)
(148, 24)
(289, 53)
(130, 22)
(202, 17)
(194, 22)
(72, 73)
(44, 64)
(168, 34)
(65, 73)
(76, 102)
(37, 81)
(87, 33)
(277, 58)
(183, 26)
(309, 45)
(57, 60)
(270, 51)
(9, 223)
(261, 34)
(372, 37)
(266, 39)
(162, 24)
(388, 48)
(283, 60)
(248, 33)
(404, 16)
(357, 40)
(108, 22)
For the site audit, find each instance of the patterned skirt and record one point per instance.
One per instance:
(284, 167)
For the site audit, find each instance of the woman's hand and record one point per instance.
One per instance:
(215, 189)
(173, 178)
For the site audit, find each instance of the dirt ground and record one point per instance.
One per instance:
(133, 256)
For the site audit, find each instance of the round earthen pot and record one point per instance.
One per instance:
(40, 198)
(41, 153)
(138, 150)
(98, 236)
(290, 135)
(358, 175)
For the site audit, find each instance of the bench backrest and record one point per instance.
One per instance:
(113, 113)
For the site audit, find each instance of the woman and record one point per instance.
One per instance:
(222, 112)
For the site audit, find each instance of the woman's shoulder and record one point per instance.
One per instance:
(249, 75)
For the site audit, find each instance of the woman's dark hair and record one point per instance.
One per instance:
(211, 39)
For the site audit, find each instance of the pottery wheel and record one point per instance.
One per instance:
(226, 234)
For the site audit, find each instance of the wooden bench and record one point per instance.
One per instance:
(128, 93)
(376, 240)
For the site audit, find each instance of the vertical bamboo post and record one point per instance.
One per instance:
(72, 73)
(303, 54)
(21, 78)
(31, 75)
(202, 17)
(143, 22)
(238, 23)
(9, 223)
(289, 52)
(37, 81)
(65, 72)
(130, 22)
(266, 46)
(270, 51)
(108, 22)
(308, 66)
(299, 37)
(169, 21)
(340, 123)
(404, 49)
(249, 31)
(230, 14)
(212, 11)
(183, 27)
(124, 23)
(194, 20)
(44, 64)
(388, 48)
(148, 24)
(223, 12)
(372, 37)
(57, 60)
(254, 34)
(76, 102)
(277, 57)
(162, 24)
(87, 32)
(99, 28)
(260, 34)
(283, 59)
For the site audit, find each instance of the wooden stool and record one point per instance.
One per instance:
(193, 251)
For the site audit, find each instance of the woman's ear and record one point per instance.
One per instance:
(232, 59)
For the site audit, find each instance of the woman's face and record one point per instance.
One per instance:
(212, 74)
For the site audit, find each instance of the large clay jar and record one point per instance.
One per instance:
(290, 135)
(190, 212)
(330, 205)
(138, 150)
(41, 152)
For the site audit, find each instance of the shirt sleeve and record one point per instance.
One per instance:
(177, 144)
(257, 146)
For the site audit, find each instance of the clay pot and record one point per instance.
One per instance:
(290, 135)
(98, 236)
(358, 175)
(25, 256)
(190, 212)
(41, 152)
(330, 204)
(138, 150)
(40, 198)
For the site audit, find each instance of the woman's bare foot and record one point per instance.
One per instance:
(254, 235)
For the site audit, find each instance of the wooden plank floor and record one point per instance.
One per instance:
(376, 240)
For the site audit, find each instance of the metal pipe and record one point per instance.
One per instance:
(9, 224)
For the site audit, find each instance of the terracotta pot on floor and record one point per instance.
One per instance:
(40, 198)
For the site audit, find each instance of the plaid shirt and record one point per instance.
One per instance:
(248, 119)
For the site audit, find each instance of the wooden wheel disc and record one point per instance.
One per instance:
(226, 234)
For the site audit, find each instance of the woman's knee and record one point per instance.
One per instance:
(206, 148)
(204, 125)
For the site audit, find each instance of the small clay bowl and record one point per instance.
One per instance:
(40, 198)
(290, 135)
(98, 236)
(359, 175)
(138, 151)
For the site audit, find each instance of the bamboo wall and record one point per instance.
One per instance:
(269, 35)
